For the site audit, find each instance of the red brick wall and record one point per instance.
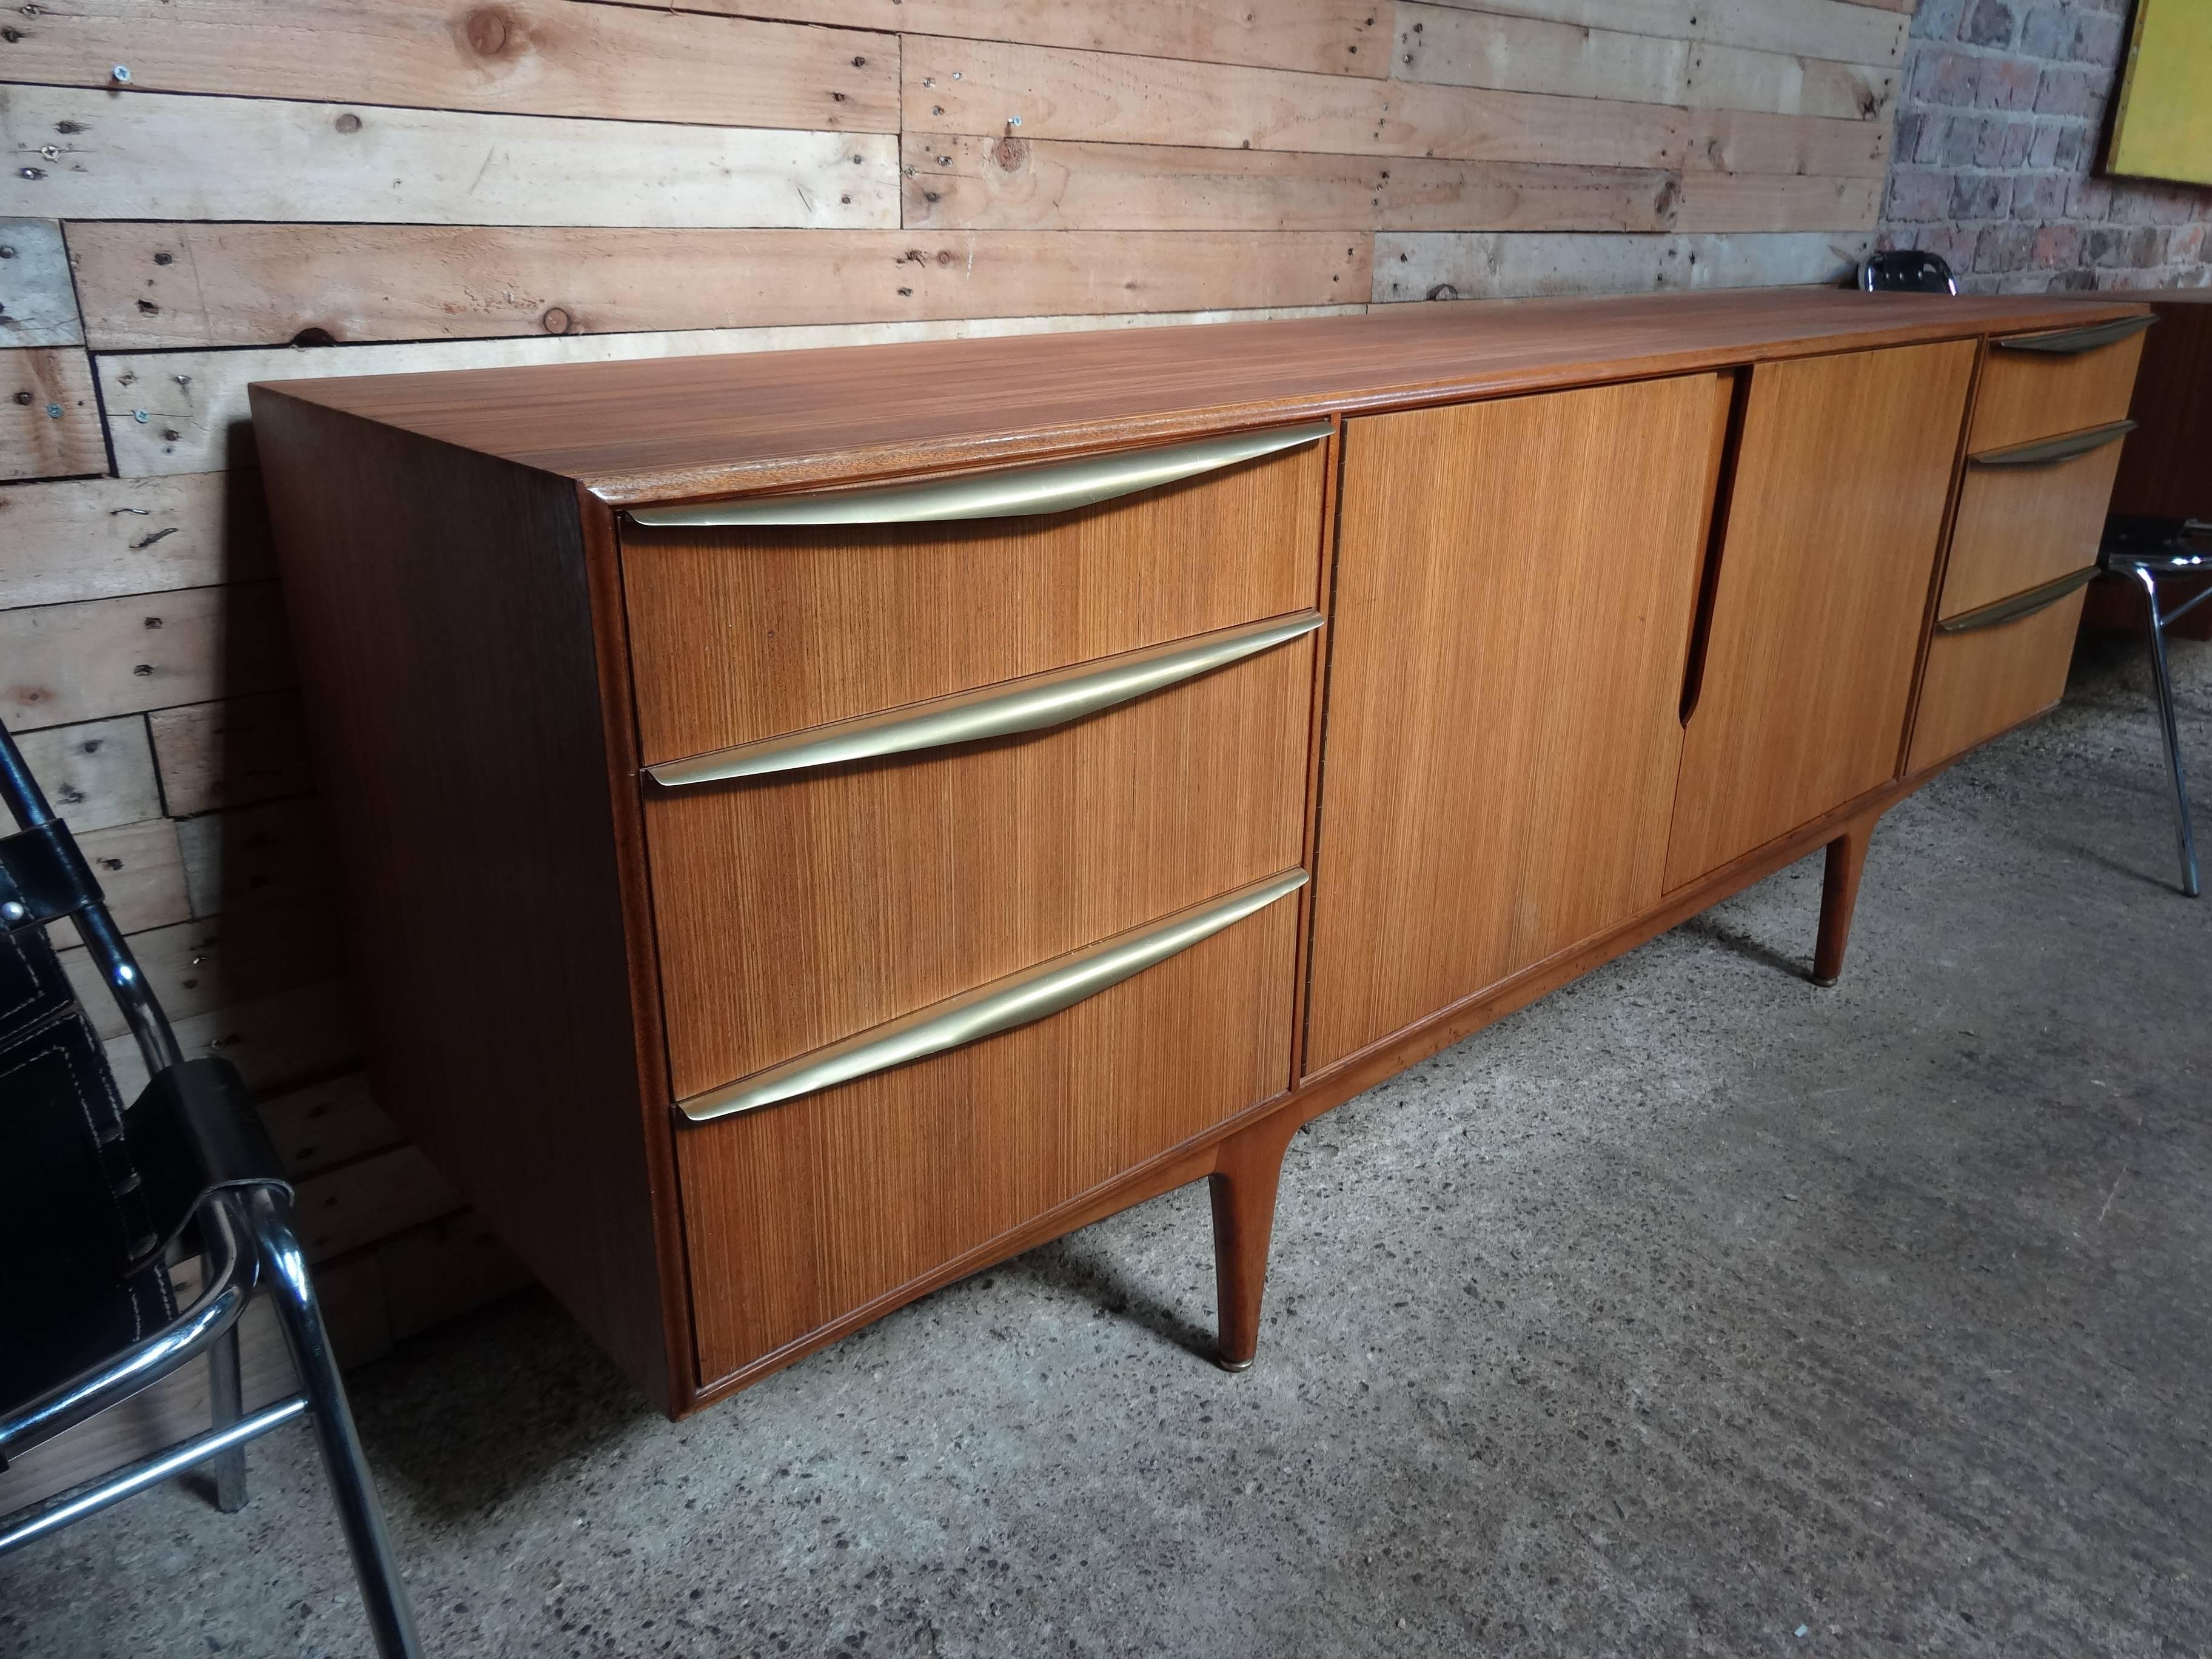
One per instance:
(2000, 124)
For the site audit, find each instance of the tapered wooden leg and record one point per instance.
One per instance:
(1839, 896)
(1243, 1183)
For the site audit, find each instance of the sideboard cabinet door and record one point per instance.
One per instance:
(1835, 510)
(1514, 586)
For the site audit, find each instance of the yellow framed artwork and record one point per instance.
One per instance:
(2162, 125)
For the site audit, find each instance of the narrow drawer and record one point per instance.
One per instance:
(801, 1213)
(1988, 670)
(794, 908)
(2059, 380)
(754, 618)
(2028, 515)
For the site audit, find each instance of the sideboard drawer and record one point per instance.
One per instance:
(2028, 515)
(755, 625)
(818, 1209)
(2058, 381)
(795, 908)
(1992, 668)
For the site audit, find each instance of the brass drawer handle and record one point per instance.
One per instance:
(1011, 493)
(2066, 341)
(2048, 452)
(1016, 1000)
(2019, 605)
(1024, 705)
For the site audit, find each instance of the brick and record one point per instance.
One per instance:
(2103, 245)
(2007, 83)
(1938, 19)
(2097, 41)
(2047, 33)
(2076, 281)
(1962, 140)
(2073, 153)
(1917, 195)
(1946, 77)
(2055, 246)
(2004, 248)
(2017, 135)
(2040, 197)
(2131, 203)
(2186, 245)
(1987, 23)
(2067, 92)
(2044, 151)
(1979, 196)
(2088, 199)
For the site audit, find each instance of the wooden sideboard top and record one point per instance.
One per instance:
(672, 429)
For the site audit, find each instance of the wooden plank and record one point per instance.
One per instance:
(38, 306)
(1338, 37)
(145, 155)
(232, 753)
(273, 1041)
(326, 1124)
(254, 855)
(175, 1409)
(439, 1272)
(255, 284)
(199, 966)
(49, 421)
(1498, 267)
(97, 774)
(204, 425)
(519, 56)
(98, 656)
(141, 872)
(91, 538)
(954, 181)
(371, 1198)
(1443, 46)
(1748, 140)
(978, 86)
(1774, 201)
(1848, 33)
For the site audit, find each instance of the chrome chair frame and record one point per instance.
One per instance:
(248, 1244)
(2144, 566)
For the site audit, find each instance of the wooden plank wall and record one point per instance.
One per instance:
(203, 193)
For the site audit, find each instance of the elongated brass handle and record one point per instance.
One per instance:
(1016, 1000)
(1013, 493)
(2066, 341)
(2019, 605)
(2049, 451)
(997, 711)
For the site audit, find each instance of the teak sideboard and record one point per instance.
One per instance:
(813, 825)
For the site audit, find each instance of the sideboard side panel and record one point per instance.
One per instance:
(441, 608)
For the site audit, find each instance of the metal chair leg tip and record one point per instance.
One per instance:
(1825, 983)
(1232, 1365)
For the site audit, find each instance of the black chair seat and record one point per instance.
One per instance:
(72, 1208)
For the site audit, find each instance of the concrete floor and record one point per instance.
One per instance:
(1693, 1311)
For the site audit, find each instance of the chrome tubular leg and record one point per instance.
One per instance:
(382, 1591)
(2163, 681)
(225, 1407)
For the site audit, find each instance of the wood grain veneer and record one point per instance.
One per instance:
(1514, 591)
(742, 634)
(798, 1212)
(685, 428)
(792, 912)
(2167, 470)
(1986, 681)
(2018, 527)
(1841, 481)
(2027, 395)
(482, 864)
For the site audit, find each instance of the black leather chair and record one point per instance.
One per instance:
(96, 1198)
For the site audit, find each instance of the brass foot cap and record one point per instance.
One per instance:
(1825, 983)
(1232, 1364)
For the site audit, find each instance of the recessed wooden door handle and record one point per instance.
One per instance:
(1013, 493)
(2049, 451)
(2067, 342)
(2019, 605)
(1030, 704)
(1002, 1005)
